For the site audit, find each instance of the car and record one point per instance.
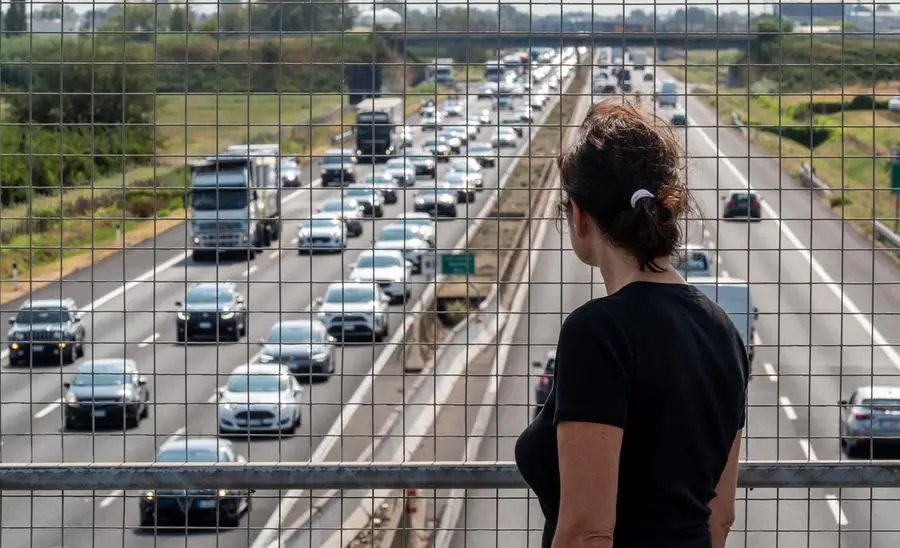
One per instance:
(462, 184)
(211, 310)
(734, 297)
(109, 391)
(468, 166)
(423, 160)
(486, 90)
(545, 380)
(338, 167)
(452, 109)
(525, 114)
(402, 169)
(384, 184)
(679, 118)
(460, 132)
(369, 199)
(429, 122)
(452, 139)
(894, 104)
(303, 346)
(514, 124)
(871, 415)
(225, 506)
(322, 234)
(260, 398)
(742, 203)
(439, 148)
(423, 222)
(692, 260)
(405, 136)
(648, 76)
(485, 118)
(504, 138)
(386, 267)
(503, 103)
(347, 209)
(484, 154)
(351, 309)
(474, 126)
(289, 172)
(407, 239)
(45, 331)
(439, 201)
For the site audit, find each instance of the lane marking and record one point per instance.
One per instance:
(874, 334)
(835, 506)
(113, 497)
(295, 240)
(785, 404)
(275, 254)
(770, 371)
(725, 274)
(51, 407)
(148, 340)
(710, 245)
(808, 450)
(250, 271)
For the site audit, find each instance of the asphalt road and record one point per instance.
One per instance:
(824, 296)
(139, 324)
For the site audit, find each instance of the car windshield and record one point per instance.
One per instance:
(380, 179)
(690, 262)
(293, 334)
(320, 223)
(882, 403)
(551, 365)
(43, 315)
(480, 148)
(465, 165)
(100, 377)
(433, 142)
(396, 233)
(255, 382)
(378, 261)
(335, 205)
(335, 159)
(417, 221)
(206, 295)
(398, 163)
(455, 178)
(361, 191)
(352, 294)
(192, 455)
(742, 197)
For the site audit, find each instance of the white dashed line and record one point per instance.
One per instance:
(47, 410)
(785, 404)
(835, 506)
(725, 274)
(295, 240)
(148, 340)
(250, 271)
(770, 371)
(275, 254)
(111, 498)
(808, 450)
(705, 233)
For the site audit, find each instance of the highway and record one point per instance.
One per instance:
(824, 296)
(137, 321)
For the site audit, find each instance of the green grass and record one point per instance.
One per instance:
(707, 67)
(461, 73)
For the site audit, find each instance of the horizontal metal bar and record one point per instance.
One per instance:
(437, 475)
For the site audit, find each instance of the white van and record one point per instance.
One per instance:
(668, 93)
(733, 295)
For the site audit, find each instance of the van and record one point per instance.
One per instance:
(692, 261)
(733, 295)
(668, 93)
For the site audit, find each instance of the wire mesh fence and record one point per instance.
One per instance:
(247, 242)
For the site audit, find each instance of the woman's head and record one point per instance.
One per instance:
(623, 186)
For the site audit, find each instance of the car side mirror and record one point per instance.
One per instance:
(261, 342)
(142, 381)
(255, 195)
(537, 364)
(11, 321)
(67, 385)
(843, 402)
(755, 313)
(178, 304)
(221, 392)
(318, 301)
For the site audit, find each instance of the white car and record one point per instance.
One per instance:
(423, 222)
(469, 166)
(354, 309)
(894, 104)
(322, 234)
(403, 238)
(503, 138)
(403, 170)
(386, 267)
(260, 398)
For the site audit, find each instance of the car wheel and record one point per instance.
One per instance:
(147, 522)
(72, 355)
(69, 422)
(145, 411)
(230, 519)
(179, 337)
(81, 349)
(133, 420)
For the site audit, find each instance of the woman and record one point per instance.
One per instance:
(637, 444)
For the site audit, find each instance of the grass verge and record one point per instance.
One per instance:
(59, 235)
(707, 67)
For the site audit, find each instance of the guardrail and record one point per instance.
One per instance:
(880, 230)
(429, 475)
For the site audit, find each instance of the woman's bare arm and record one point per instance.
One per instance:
(721, 516)
(589, 477)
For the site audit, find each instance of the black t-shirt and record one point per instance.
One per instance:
(665, 363)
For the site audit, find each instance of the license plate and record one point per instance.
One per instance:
(205, 325)
(37, 348)
(98, 413)
(206, 504)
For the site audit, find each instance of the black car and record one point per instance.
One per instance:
(369, 198)
(438, 201)
(545, 381)
(338, 166)
(225, 506)
(46, 331)
(303, 346)
(106, 391)
(212, 311)
(742, 203)
(423, 160)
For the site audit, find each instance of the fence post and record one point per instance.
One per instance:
(118, 233)
(15, 276)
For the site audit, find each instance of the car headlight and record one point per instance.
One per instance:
(227, 315)
(420, 201)
(429, 163)
(183, 316)
(349, 170)
(71, 399)
(150, 495)
(226, 405)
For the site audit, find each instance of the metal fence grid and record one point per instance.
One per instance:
(109, 113)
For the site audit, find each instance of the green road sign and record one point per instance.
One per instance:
(458, 264)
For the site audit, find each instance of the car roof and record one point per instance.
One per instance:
(261, 368)
(210, 443)
(47, 303)
(721, 280)
(738, 191)
(124, 364)
(373, 252)
(213, 285)
(414, 215)
(345, 284)
(879, 392)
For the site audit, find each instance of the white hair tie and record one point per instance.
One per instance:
(638, 194)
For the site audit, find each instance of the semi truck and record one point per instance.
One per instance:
(235, 201)
(376, 119)
(440, 71)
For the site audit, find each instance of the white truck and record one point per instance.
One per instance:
(235, 201)
(639, 59)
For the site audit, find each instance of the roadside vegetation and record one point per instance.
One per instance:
(816, 100)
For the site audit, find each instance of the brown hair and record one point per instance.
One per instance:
(620, 150)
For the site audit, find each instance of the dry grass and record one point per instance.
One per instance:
(708, 67)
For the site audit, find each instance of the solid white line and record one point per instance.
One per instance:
(250, 271)
(785, 404)
(51, 407)
(111, 498)
(770, 371)
(808, 450)
(724, 273)
(275, 254)
(829, 282)
(148, 340)
(835, 506)
(711, 245)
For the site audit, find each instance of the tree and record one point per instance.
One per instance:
(15, 21)
(181, 20)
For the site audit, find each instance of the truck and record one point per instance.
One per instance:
(440, 71)
(639, 59)
(376, 119)
(235, 201)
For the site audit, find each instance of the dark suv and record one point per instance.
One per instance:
(742, 203)
(338, 166)
(545, 381)
(48, 331)
(213, 311)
